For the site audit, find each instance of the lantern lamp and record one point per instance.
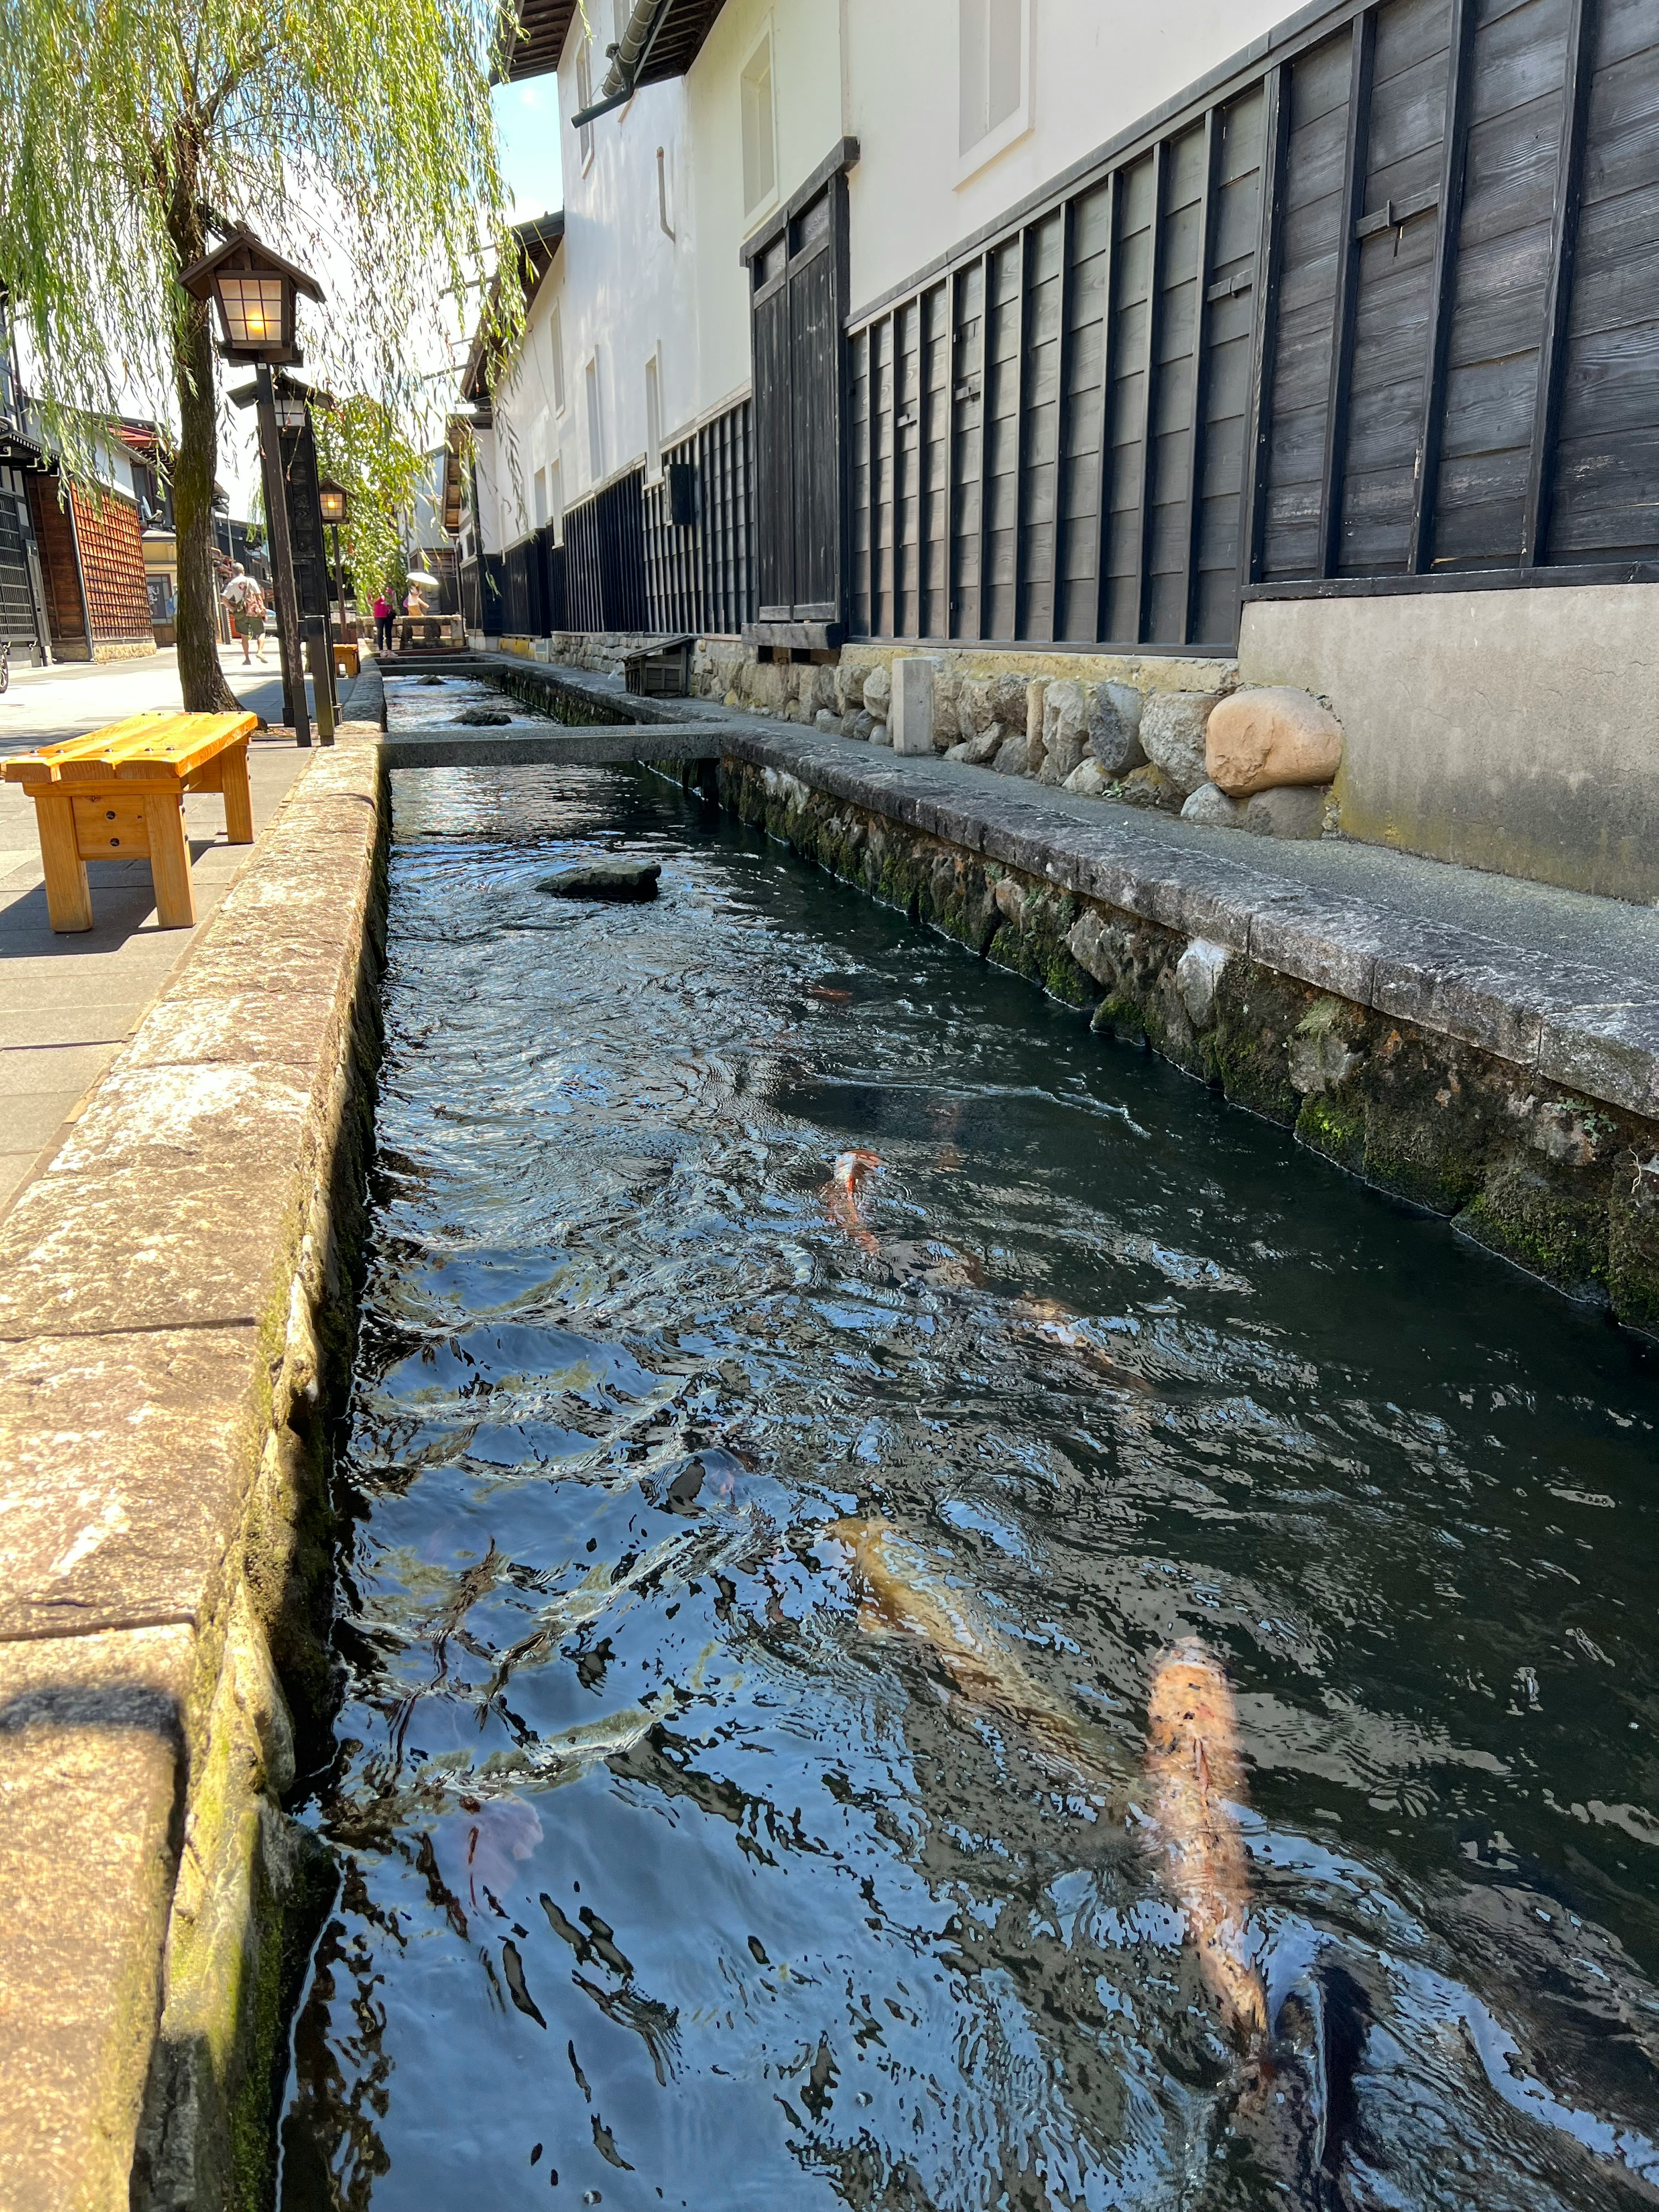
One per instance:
(332, 498)
(254, 290)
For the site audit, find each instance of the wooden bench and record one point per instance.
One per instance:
(119, 794)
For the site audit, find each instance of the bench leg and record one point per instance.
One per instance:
(69, 902)
(239, 800)
(169, 861)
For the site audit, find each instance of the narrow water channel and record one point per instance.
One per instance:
(675, 1873)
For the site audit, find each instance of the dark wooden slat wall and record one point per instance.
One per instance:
(701, 575)
(1431, 344)
(605, 561)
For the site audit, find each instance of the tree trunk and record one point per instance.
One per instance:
(195, 463)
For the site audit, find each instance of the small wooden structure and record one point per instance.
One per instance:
(428, 633)
(119, 794)
(661, 670)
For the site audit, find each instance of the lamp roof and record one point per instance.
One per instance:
(244, 250)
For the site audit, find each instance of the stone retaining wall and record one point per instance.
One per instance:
(176, 1321)
(1526, 1115)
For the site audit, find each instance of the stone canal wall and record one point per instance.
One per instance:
(176, 1317)
(1515, 1092)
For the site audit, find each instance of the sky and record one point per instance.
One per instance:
(527, 124)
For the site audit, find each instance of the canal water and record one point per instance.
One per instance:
(674, 1872)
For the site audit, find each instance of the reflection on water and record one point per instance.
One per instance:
(677, 1871)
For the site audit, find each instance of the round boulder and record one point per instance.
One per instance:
(878, 690)
(1257, 740)
(1172, 736)
(1210, 805)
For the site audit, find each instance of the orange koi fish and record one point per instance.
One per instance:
(841, 1196)
(1197, 1780)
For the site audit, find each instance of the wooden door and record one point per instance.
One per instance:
(799, 283)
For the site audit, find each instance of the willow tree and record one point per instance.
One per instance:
(358, 142)
(364, 447)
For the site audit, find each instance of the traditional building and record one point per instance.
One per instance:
(1318, 346)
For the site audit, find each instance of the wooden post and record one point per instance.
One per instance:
(1460, 73)
(1062, 405)
(1190, 548)
(1022, 305)
(1557, 306)
(1108, 370)
(69, 900)
(282, 553)
(317, 651)
(1349, 209)
(1269, 264)
(1148, 436)
(169, 860)
(988, 278)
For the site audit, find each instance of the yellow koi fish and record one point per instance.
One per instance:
(1197, 1778)
(903, 1592)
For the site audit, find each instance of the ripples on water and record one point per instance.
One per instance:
(666, 1881)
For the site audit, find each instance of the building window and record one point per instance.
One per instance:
(760, 162)
(994, 76)
(595, 440)
(585, 97)
(652, 417)
(555, 349)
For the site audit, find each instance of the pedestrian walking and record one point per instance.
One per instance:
(382, 623)
(245, 603)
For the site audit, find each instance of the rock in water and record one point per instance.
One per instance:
(484, 718)
(618, 880)
(428, 679)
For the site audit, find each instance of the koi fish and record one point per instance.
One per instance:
(840, 1197)
(831, 996)
(1197, 1780)
(904, 1593)
(1050, 1322)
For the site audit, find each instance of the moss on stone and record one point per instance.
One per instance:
(1556, 1230)
(1633, 1239)
(1333, 1128)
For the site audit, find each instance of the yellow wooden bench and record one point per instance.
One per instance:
(119, 794)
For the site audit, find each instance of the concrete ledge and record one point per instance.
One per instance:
(175, 1319)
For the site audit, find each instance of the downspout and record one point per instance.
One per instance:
(80, 571)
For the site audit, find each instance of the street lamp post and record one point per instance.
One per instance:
(337, 509)
(255, 291)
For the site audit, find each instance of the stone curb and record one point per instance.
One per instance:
(175, 1300)
(1577, 1025)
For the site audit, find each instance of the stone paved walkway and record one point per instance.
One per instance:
(67, 1004)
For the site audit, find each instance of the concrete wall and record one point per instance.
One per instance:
(1517, 731)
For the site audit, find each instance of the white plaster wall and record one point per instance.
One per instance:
(1098, 67)
(807, 109)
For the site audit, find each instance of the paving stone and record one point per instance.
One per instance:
(1334, 944)
(127, 1462)
(1609, 1051)
(91, 1735)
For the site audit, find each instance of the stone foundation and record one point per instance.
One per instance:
(1560, 1180)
